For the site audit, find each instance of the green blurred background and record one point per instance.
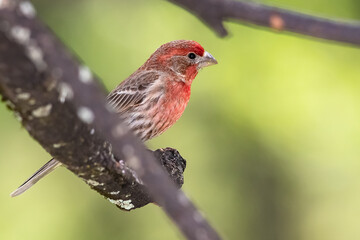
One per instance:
(271, 134)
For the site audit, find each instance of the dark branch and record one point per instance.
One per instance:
(61, 105)
(214, 12)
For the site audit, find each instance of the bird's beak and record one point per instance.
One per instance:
(206, 60)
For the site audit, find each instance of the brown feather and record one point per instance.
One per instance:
(132, 91)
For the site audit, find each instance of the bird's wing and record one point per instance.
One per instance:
(132, 91)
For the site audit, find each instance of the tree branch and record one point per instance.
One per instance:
(60, 104)
(214, 12)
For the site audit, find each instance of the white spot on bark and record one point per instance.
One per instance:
(92, 131)
(114, 193)
(198, 217)
(18, 116)
(20, 34)
(94, 183)
(36, 56)
(65, 92)
(42, 111)
(125, 204)
(85, 74)
(27, 9)
(101, 169)
(86, 115)
(119, 131)
(32, 101)
(23, 96)
(58, 145)
(135, 164)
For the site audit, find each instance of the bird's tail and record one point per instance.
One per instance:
(42, 172)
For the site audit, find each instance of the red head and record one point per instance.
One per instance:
(182, 57)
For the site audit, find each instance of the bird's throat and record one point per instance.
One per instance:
(190, 74)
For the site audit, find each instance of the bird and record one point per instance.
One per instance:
(153, 98)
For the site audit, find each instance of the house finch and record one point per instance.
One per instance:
(154, 97)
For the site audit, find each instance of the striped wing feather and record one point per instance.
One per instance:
(132, 91)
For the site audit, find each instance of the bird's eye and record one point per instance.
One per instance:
(192, 55)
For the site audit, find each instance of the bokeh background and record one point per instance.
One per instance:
(271, 134)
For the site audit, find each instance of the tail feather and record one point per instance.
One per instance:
(42, 172)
